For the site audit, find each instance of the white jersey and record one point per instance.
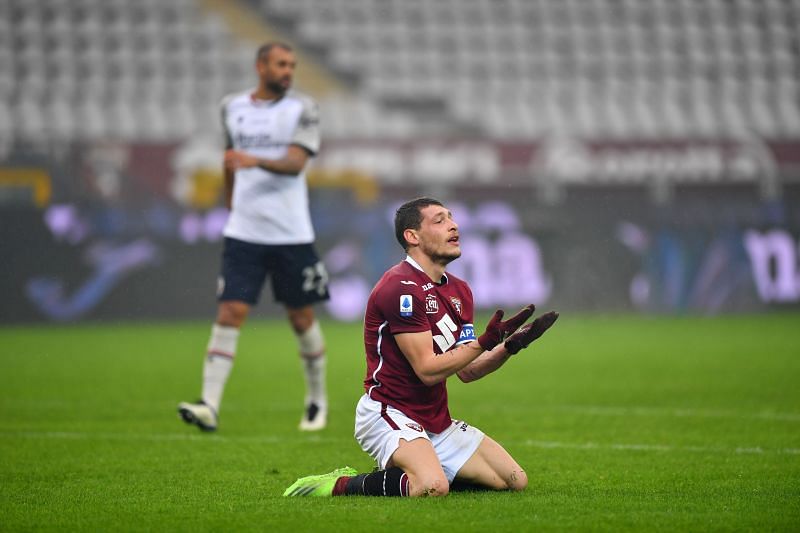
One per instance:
(270, 208)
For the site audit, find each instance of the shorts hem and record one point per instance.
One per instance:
(382, 464)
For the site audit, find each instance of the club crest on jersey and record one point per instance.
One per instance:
(456, 304)
(431, 305)
(406, 305)
(414, 426)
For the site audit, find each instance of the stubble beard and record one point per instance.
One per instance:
(441, 258)
(276, 87)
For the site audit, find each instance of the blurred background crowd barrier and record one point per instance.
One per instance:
(599, 155)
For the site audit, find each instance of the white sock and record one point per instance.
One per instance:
(217, 368)
(312, 352)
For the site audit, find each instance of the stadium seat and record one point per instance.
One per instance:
(590, 68)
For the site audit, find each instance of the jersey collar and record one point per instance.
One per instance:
(410, 260)
(264, 103)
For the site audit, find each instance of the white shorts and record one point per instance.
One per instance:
(375, 433)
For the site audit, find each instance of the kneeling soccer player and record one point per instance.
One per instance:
(418, 331)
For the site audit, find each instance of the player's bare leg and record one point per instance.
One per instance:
(418, 460)
(493, 467)
(301, 318)
(231, 314)
(312, 352)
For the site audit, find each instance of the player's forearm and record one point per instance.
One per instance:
(442, 366)
(288, 166)
(484, 364)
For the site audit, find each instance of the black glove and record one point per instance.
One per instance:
(530, 332)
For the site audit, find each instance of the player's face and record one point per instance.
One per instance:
(276, 71)
(438, 234)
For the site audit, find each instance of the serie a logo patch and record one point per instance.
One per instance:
(406, 305)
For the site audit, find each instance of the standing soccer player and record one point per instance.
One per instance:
(418, 331)
(271, 132)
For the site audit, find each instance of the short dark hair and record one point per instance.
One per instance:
(266, 48)
(409, 216)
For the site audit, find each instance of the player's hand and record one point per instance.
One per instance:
(530, 332)
(235, 160)
(497, 329)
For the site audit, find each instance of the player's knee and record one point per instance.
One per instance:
(517, 480)
(437, 487)
(431, 485)
(301, 319)
(232, 314)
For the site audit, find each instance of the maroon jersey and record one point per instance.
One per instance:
(405, 300)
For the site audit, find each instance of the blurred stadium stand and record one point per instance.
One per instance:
(591, 68)
(508, 69)
(92, 69)
(599, 154)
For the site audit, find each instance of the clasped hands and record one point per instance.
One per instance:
(512, 331)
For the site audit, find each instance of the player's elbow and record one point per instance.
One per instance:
(429, 380)
(289, 171)
(466, 377)
(293, 169)
(429, 375)
(294, 165)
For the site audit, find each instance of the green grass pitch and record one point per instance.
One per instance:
(622, 423)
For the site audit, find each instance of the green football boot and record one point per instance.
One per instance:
(321, 485)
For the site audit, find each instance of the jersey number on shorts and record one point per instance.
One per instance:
(448, 328)
(315, 278)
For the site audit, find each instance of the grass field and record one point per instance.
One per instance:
(622, 423)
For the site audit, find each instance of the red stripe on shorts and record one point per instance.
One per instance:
(386, 417)
(219, 353)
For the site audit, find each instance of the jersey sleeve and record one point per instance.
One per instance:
(227, 137)
(469, 305)
(403, 307)
(307, 132)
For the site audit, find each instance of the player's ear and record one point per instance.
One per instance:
(411, 236)
(262, 63)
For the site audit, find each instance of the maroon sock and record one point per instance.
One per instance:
(341, 484)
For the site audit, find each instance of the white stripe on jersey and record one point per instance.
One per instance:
(380, 361)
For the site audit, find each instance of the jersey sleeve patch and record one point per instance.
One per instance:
(307, 132)
(403, 307)
(406, 305)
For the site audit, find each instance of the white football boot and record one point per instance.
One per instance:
(199, 414)
(315, 417)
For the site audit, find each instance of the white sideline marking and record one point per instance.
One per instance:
(601, 410)
(677, 412)
(275, 439)
(741, 450)
(592, 410)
